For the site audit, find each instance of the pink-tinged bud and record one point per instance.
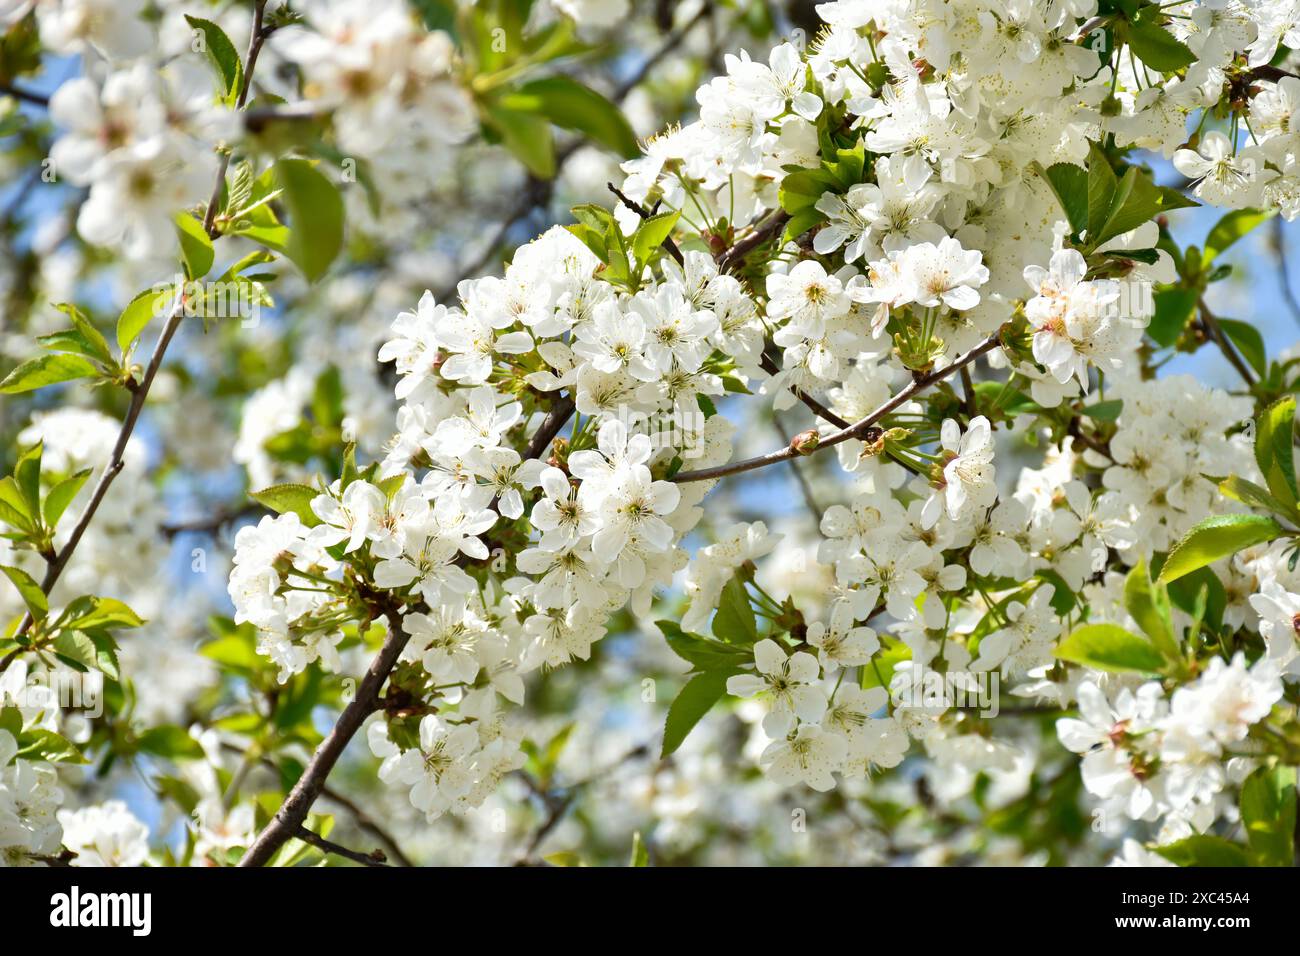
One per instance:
(805, 443)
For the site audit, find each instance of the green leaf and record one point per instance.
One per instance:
(27, 476)
(1185, 594)
(1108, 647)
(196, 246)
(171, 742)
(1268, 810)
(1273, 444)
(1101, 188)
(734, 622)
(105, 654)
(1174, 308)
(1216, 537)
(95, 345)
(1248, 342)
(567, 103)
(31, 592)
(46, 370)
(289, 498)
(1070, 184)
(315, 216)
(76, 650)
(640, 855)
(528, 136)
(1158, 48)
(1149, 606)
(136, 316)
(1251, 494)
(41, 744)
(87, 613)
(803, 188)
(694, 701)
(14, 509)
(61, 495)
(1230, 228)
(1105, 411)
(651, 234)
(1204, 851)
(801, 222)
(701, 652)
(223, 55)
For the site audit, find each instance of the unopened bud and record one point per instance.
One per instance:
(805, 443)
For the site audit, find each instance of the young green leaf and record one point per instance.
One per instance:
(694, 701)
(651, 234)
(1203, 850)
(1268, 811)
(289, 498)
(734, 622)
(196, 246)
(1108, 647)
(1230, 228)
(1273, 448)
(135, 317)
(1217, 536)
(47, 370)
(223, 55)
(567, 103)
(1157, 47)
(1149, 605)
(315, 216)
(528, 136)
(640, 855)
(29, 590)
(1070, 184)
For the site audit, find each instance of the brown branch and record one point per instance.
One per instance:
(363, 820)
(212, 523)
(140, 391)
(735, 256)
(311, 785)
(800, 445)
(1284, 271)
(1214, 331)
(769, 365)
(289, 818)
(373, 858)
(669, 246)
(257, 37)
(26, 96)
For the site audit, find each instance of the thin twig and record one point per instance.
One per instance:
(311, 785)
(1215, 331)
(736, 255)
(373, 858)
(1284, 270)
(769, 366)
(140, 391)
(668, 244)
(800, 478)
(26, 96)
(857, 430)
(363, 820)
(212, 523)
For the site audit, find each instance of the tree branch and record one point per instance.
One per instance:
(735, 256)
(26, 96)
(311, 784)
(141, 390)
(289, 818)
(857, 430)
(373, 858)
(1215, 331)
